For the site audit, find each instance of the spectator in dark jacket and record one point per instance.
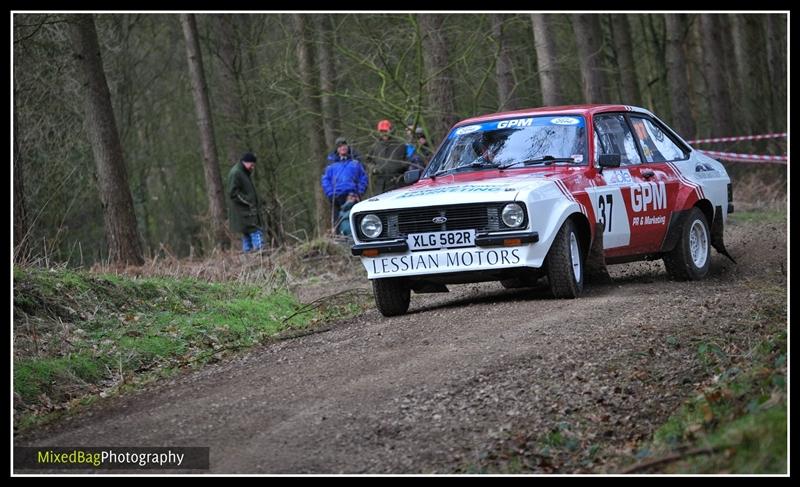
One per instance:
(245, 208)
(344, 175)
(421, 152)
(386, 160)
(343, 222)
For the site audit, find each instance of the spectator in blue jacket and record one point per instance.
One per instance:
(344, 175)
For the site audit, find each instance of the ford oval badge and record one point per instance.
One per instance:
(439, 220)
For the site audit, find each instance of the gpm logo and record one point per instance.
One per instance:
(653, 195)
(520, 122)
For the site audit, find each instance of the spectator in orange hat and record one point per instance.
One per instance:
(386, 161)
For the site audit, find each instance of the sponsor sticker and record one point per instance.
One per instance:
(565, 121)
(519, 122)
(617, 177)
(468, 129)
(471, 188)
(452, 260)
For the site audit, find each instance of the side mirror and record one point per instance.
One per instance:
(412, 176)
(609, 160)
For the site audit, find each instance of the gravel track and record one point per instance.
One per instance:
(463, 380)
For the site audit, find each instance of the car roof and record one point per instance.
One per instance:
(559, 110)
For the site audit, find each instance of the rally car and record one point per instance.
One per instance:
(554, 192)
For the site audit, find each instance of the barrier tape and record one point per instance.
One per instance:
(738, 138)
(731, 156)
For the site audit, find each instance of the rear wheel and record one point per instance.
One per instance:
(564, 263)
(392, 295)
(691, 257)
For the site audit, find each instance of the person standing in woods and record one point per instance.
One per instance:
(422, 150)
(344, 176)
(386, 161)
(245, 207)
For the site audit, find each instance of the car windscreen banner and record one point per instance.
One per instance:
(561, 120)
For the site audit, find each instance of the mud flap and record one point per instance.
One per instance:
(422, 287)
(596, 269)
(717, 229)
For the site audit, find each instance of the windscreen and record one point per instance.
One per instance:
(514, 142)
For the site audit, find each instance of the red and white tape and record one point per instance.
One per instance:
(738, 138)
(731, 156)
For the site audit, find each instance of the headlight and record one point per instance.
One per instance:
(371, 226)
(513, 215)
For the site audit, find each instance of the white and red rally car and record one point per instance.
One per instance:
(552, 192)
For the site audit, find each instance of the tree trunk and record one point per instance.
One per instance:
(236, 140)
(215, 191)
(697, 84)
(550, 75)
(734, 53)
(714, 68)
(507, 98)
(327, 78)
(441, 96)
(20, 209)
(682, 119)
(112, 178)
(621, 33)
(589, 40)
(776, 49)
(757, 75)
(312, 108)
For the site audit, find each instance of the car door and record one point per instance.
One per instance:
(612, 186)
(654, 195)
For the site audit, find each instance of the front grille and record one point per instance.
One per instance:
(483, 217)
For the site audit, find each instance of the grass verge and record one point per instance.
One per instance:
(79, 336)
(736, 425)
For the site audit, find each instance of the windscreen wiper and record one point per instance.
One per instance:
(472, 164)
(546, 160)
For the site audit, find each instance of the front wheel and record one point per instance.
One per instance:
(691, 257)
(392, 296)
(565, 263)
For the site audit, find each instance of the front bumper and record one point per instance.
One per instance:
(397, 246)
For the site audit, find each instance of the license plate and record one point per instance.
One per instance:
(439, 240)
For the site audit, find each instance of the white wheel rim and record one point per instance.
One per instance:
(575, 256)
(698, 244)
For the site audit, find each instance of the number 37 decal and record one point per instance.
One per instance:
(605, 201)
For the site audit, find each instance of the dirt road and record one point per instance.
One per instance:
(464, 378)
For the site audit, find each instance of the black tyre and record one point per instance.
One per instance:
(691, 257)
(565, 264)
(392, 296)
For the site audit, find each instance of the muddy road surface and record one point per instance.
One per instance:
(466, 380)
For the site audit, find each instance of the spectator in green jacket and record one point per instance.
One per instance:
(245, 207)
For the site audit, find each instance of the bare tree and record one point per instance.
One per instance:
(112, 178)
(215, 191)
(20, 209)
(504, 68)
(441, 95)
(310, 101)
(327, 76)
(776, 51)
(550, 74)
(757, 92)
(623, 48)
(721, 119)
(589, 39)
(237, 139)
(676, 77)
